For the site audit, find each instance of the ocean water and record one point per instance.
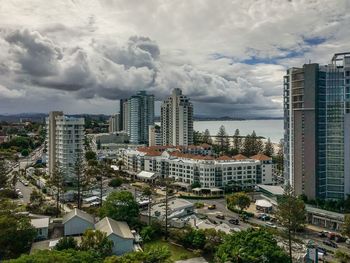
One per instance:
(272, 129)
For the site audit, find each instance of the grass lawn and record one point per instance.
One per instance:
(177, 252)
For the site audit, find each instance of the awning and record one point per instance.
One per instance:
(263, 203)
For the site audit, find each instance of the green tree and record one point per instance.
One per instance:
(291, 214)
(66, 243)
(121, 206)
(90, 155)
(16, 232)
(14, 180)
(153, 254)
(194, 238)
(197, 138)
(213, 239)
(252, 145)
(3, 174)
(207, 137)
(279, 158)
(56, 181)
(79, 174)
(116, 182)
(269, 150)
(64, 256)
(346, 225)
(342, 256)
(222, 139)
(250, 246)
(120, 165)
(240, 199)
(237, 142)
(25, 152)
(96, 241)
(147, 191)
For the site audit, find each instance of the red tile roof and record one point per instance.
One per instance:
(240, 157)
(261, 157)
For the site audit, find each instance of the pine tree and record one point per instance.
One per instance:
(3, 175)
(222, 139)
(248, 146)
(237, 142)
(269, 150)
(207, 137)
(56, 181)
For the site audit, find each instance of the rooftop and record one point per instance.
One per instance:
(261, 157)
(111, 226)
(40, 222)
(273, 189)
(78, 213)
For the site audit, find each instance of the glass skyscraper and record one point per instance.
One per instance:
(317, 128)
(140, 109)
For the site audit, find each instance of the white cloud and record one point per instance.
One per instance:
(108, 49)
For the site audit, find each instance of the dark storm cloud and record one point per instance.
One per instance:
(107, 70)
(36, 55)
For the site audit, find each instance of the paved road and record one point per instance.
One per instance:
(26, 191)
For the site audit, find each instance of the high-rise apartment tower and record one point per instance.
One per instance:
(317, 128)
(177, 120)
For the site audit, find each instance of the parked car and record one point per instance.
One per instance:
(323, 234)
(330, 243)
(220, 216)
(211, 207)
(234, 221)
(269, 224)
(264, 217)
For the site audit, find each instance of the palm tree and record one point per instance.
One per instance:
(148, 193)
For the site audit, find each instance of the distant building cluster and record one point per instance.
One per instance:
(136, 118)
(317, 128)
(194, 164)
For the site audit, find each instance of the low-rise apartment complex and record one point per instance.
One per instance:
(194, 164)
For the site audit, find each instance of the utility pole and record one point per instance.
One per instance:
(166, 208)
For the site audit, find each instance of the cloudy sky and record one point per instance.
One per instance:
(228, 56)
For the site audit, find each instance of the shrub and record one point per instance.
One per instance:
(115, 182)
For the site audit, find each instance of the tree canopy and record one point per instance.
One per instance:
(64, 256)
(96, 241)
(240, 199)
(251, 246)
(121, 206)
(16, 232)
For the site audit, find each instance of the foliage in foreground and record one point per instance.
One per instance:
(154, 254)
(64, 256)
(16, 232)
(251, 246)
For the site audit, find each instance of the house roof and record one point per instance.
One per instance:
(78, 213)
(111, 226)
(261, 157)
(146, 175)
(224, 158)
(40, 222)
(240, 157)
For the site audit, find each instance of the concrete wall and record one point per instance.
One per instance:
(76, 226)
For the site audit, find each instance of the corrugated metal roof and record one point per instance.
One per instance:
(78, 213)
(119, 228)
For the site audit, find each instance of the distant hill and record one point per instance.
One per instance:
(40, 117)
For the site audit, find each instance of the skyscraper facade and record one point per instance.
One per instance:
(114, 123)
(317, 128)
(65, 142)
(177, 120)
(140, 115)
(121, 114)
